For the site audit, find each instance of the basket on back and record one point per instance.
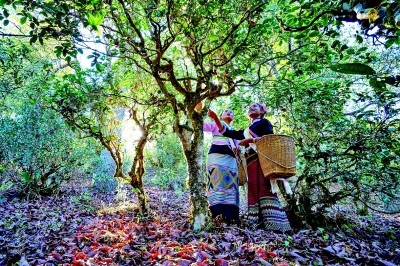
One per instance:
(277, 155)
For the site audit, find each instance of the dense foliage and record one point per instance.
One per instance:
(38, 151)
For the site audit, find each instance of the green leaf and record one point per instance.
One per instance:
(390, 42)
(26, 178)
(214, 38)
(362, 49)
(100, 67)
(325, 20)
(353, 68)
(33, 39)
(23, 20)
(299, 36)
(95, 20)
(390, 80)
(314, 34)
(335, 43)
(377, 84)
(91, 19)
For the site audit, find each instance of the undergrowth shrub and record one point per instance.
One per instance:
(39, 153)
(102, 171)
(165, 164)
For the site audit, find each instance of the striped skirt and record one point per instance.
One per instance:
(264, 207)
(222, 185)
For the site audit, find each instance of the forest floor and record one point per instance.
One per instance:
(83, 227)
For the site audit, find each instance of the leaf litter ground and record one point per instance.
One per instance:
(82, 227)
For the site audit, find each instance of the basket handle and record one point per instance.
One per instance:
(288, 167)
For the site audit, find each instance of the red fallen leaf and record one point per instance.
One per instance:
(77, 263)
(186, 257)
(154, 255)
(265, 254)
(107, 260)
(105, 248)
(271, 254)
(80, 256)
(129, 237)
(221, 262)
(56, 256)
(118, 245)
(150, 233)
(204, 259)
(171, 245)
(187, 249)
(95, 244)
(209, 247)
(88, 235)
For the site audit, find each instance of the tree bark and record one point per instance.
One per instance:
(136, 173)
(192, 144)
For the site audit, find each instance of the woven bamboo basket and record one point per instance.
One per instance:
(276, 155)
(242, 170)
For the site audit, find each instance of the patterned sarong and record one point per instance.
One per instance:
(264, 206)
(222, 185)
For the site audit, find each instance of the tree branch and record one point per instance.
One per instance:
(297, 29)
(233, 29)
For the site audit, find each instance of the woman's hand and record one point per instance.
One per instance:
(245, 142)
(212, 115)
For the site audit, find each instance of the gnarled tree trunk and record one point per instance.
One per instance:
(136, 173)
(192, 145)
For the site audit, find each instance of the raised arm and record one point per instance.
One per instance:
(214, 117)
